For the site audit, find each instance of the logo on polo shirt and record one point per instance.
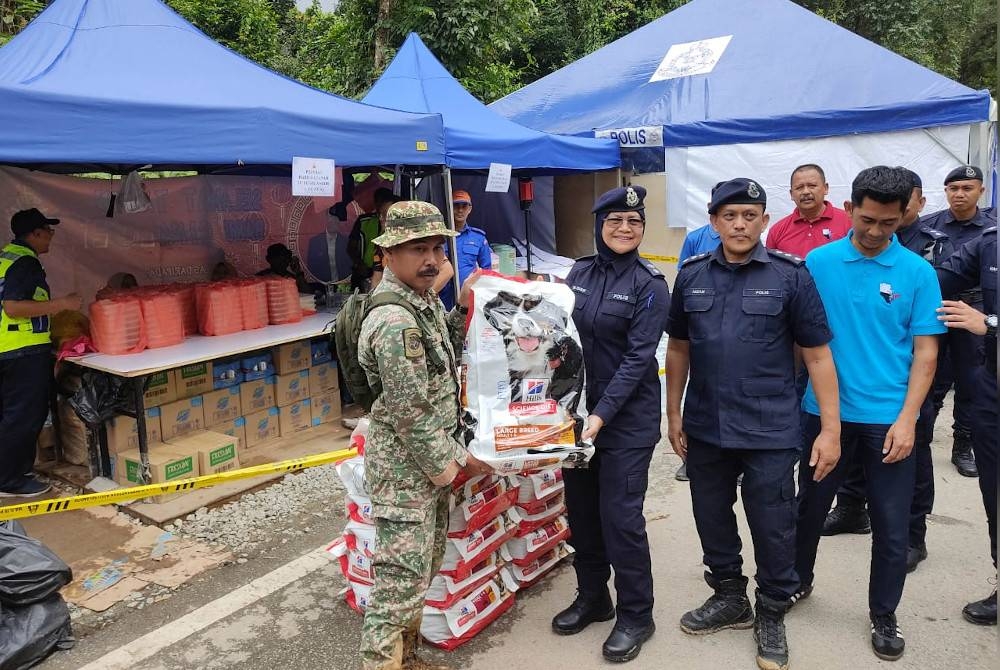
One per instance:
(885, 290)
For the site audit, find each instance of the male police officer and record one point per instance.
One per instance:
(412, 453)
(975, 264)
(962, 221)
(880, 299)
(737, 314)
(25, 349)
(850, 515)
(473, 247)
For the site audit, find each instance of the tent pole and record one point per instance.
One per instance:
(452, 244)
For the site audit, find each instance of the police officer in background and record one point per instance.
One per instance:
(736, 316)
(975, 264)
(622, 301)
(850, 515)
(25, 349)
(962, 221)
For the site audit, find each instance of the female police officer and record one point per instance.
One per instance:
(622, 302)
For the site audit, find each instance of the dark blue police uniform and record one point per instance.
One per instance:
(741, 412)
(975, 264)
(961, 351)
(622, 302)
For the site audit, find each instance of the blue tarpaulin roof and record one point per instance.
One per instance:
(131, 82)
(476, 136)
(786, 73)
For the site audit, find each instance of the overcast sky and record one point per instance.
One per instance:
(328, 5)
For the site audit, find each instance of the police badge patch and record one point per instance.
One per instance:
(970, 171)
(631, 197)
(413, 344)
(753, 191)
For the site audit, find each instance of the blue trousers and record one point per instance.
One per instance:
(768, 494)
(984, 446)
(25, 382)
(604, 503)
(890, 493)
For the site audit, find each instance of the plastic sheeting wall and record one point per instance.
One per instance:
(692, 171)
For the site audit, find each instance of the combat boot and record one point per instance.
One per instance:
(982, 612)
(769, 633)
(845, 518)
(585, 610)
(961, 454)
(728, 607)
(411, 661)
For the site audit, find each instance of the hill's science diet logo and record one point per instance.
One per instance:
(534, 390)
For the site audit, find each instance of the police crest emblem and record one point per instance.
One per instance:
(970, 171)
(753, 191)
(631, 197)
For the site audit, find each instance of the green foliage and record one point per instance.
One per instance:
(15, 15)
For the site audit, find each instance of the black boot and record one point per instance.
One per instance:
(585, 610)
(769, 632)
(961, 454)
(625, 642)
(728, 607)
(914, 555)
(982, 612)
(847, 519)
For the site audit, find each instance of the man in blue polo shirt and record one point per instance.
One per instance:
(473, 249)
(881, 302)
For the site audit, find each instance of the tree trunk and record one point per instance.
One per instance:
(385, 8)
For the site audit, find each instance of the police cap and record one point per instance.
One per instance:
(622, 199)
(739, 191)
(963, 173)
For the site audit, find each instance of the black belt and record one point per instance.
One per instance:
(971, 296)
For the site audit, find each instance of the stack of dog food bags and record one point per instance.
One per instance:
(539, 543)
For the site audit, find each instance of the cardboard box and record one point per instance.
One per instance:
(257, 395)
(165, 465)
(291, 388)
(257, 367)
(321, 351)
(161, 388)
(262, 426)
(236, 428)
(226, 374)
(193, 380)
(123, 434)
(323, 377)
(222, 406)
(292, 357)
(325, 407)
(216, 452)
(181, 417)
(296, 417)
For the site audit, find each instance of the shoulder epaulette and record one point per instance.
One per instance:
(791, 258)
(933, 232)
(990, 230)
(476, 230)
(650, 267)
(696, 257)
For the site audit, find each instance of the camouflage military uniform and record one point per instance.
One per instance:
(411, 439)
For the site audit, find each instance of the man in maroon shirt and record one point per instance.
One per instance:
(815, 221)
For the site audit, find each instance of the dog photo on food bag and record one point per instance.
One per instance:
(543, 360)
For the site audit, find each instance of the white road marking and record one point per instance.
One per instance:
(127, 656)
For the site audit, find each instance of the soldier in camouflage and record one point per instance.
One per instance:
(413, 451)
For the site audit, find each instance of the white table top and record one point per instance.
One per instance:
(200, 348)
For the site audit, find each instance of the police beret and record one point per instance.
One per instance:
(912, 176)
(962, 173)
(739, 191)
(621, 199)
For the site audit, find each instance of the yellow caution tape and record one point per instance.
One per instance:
(181, 485)
(662, 259)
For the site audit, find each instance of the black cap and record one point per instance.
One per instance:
(912, 176)
(621, 199)
(963, 173)
(28, 220)
(278, 250)
(739, 191)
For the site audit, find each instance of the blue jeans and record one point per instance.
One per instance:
(890, 494)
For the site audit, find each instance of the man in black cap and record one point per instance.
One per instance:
(282, 263)
(962, 352)
(25, 349)
(737, 314)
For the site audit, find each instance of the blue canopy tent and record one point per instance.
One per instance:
(475, 136)
(116, 83)
(717, 88)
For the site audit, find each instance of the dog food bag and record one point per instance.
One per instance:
(524, 374)
(452, 627)
(352, 474)
(519, 577)
(526, 548)
(445, 591)
(463, 554)
(538, 487)
(483, 503)
(540, 514)
(359, 509)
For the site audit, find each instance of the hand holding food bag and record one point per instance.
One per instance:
(523, 375)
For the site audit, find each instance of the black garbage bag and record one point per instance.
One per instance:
(28, 634)
(100, 397)
(29, 571)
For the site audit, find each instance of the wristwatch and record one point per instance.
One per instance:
(991, 325)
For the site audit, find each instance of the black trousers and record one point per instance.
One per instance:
(768, 494)
(25, 383)
(890, 492)
(959, 362)
(984, 445)
(608, 529)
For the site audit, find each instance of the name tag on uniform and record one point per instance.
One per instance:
(762, 293)
(580, 289)
(699, 291)
(620, 297)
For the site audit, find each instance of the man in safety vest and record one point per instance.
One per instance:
(25, 349)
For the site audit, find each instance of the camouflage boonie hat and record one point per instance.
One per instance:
(412, 220)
